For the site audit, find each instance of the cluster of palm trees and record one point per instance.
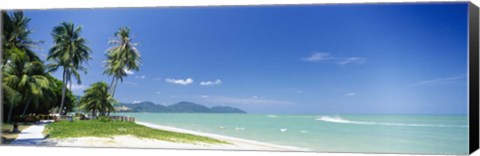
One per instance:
(25, 80)
(122, 56)
(28, 87)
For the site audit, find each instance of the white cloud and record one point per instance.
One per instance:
(129, 72)
(352, 60)
(140, 76)
(158, 92)
(179, 81)
(318, 57)
(204, 96)
(136, 101)
(130, 83)
(77, 87)
(439, 81)
(211, 83)
(258, 97)
(246, 101)
(350, 94)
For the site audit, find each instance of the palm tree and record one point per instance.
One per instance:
(69, 52)
(21, 67)
(28, 79)
(16, 34)
(122, 56)
(97, 98)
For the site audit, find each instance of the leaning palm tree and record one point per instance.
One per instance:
(122, 56)
(97, 99)
(69, 52)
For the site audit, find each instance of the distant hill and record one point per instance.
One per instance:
(180, 107)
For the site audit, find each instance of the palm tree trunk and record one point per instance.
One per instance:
(26, 108)
(111, 85)
(10, 111)
(63, 91)
(94, 113)
(70, 82)
(114, 87)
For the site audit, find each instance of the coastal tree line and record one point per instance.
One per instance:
(27, 84)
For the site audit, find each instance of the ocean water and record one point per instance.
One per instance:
(414, 134)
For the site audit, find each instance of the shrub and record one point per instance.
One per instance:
(104, 119)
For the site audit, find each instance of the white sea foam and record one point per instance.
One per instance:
(338, 119)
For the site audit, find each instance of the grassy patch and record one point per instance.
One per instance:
(7, 135)
(95, 128)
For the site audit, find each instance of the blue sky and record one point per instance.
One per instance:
(335, 59)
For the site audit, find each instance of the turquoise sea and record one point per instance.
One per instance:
(415, 134)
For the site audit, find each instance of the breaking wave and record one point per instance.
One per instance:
(338, 119)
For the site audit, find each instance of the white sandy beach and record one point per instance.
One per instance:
(135, 142)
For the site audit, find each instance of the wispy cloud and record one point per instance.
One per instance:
(352, 60)
(258, 97)
(140, 76)
(350, 94)
(245, 101)
(439, 81)
(211, 83)
(77, 87)
(136, 101)
(129, 72)
(318, 57)
(179, 81)
(130, 83)
(315, 57)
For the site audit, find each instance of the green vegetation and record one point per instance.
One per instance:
(25, 80)
(97, 99)
(123, 56)
(27, 86)
(105, 128)
(69, 52)
(7, 135)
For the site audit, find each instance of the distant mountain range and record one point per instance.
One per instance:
(180, 107)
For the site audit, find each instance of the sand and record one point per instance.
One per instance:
(129, 141)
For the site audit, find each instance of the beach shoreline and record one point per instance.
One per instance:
(233, 140)
(128, 141)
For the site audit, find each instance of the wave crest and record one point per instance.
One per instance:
(338, 119)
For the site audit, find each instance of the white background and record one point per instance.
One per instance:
(53, 151)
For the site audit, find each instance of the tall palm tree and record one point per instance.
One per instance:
(122, 56)
(96, 98)
(69, 52)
